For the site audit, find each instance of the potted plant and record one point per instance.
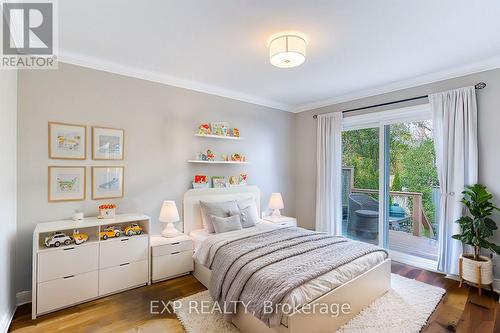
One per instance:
(476, 228)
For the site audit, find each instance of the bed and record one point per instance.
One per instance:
(358, 284)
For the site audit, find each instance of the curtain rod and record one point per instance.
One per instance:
(480, 85)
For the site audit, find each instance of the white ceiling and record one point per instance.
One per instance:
(356, 48)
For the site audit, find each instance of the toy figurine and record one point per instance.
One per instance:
(133, 229)
(110, 232)
(210, 155)
(79, 237)
(236, 157)
(201, 157)
(243, 179)
(233, 180)
(236, 132)
(57, 239)
(204, 129)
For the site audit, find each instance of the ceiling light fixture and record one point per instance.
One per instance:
(286, 51)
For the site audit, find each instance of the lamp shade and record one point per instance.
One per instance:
(287, 51)
(276, 201)
(169, 212)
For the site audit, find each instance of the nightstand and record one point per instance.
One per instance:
(282, 220)
(171, 257)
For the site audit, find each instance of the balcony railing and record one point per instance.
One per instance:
(418, 216)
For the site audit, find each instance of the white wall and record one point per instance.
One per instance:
(159, 122)
(8, 144)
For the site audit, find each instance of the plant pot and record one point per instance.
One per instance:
(470, 269)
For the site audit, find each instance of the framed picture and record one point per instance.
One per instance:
(67, 183)
(107, 182)
(220, 128)
(67, 141)
(107, 143)
(218, 182)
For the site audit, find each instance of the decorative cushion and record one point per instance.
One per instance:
(219, 209)
(248, 212)
(226, 224)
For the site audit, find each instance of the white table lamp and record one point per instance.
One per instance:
(169, 214)
(276, 203)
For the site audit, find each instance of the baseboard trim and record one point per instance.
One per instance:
(412, 260)
(6, 320)
(23, 297)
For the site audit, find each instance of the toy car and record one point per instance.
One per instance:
(56, 239)
(133, 229)
(79, 237)
(110, 232)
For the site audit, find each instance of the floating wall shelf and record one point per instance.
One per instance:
(217, 162)
(219, 137)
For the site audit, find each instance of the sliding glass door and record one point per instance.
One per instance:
(413, 189)
(390, 188)
(360, 178)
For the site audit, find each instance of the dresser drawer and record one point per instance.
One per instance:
(55, 294)
(67, 261)
(123, 277)
(171, 265)
(161, 250)
(123, 250)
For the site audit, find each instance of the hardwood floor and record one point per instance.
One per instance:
(461, 310)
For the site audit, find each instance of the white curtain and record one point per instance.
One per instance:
(329, 174)
(455, 129)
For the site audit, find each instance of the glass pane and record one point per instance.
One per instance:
(360, 180)
(414, 190)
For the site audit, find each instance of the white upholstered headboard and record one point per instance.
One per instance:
(191, 204)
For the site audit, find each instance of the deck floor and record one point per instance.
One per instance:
(404, 242)
(422, 247)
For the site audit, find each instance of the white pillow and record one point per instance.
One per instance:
(248, 212)
(226, 224)
(220, 209)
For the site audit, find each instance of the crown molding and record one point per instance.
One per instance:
(135, 72)
(489, 64)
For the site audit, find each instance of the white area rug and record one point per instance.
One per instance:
(405, 308)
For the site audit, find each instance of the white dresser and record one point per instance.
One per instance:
(72, 274)
(171, 257)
